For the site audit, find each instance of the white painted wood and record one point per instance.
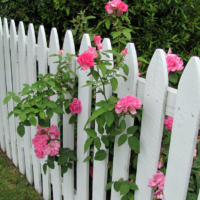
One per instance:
(23, 71)
(32, 78)
(199, 196)
(16, 89)
(84, 95)
(121, 160)
(8, 72)
(41, 56)
(2, 92)
(53, 49)
(100, 169)
(15, 77)
(184, 132)
(152, 123)
(68, 129)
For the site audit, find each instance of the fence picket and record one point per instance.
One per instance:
(32, 78)
(8, 75)
(68, 129)
(184, 132)
(84, 95)
(152, 123)
(53, 49)
(100, 167)
(42, 69)
(2, 92)
(121, 160)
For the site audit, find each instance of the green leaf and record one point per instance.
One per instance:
(20, 130)
(114, 83)
(66, 104)
(127, 34)
(72, 156)
(91, 132)
(133, 186)
(50, 82)
(87, 158)
(117, 186)
(50, 165)
(173, 77)
(130, 196)
(49, 113)
(132, 129)
(72, 119)
(63, 159)
(103, 70)
(109, 118)
(95, 114)
(33, 121)
(88, 142)
(108, 186)
(124, 189)
(64, 169)
(105, 140)
(11, 94)
(51, 104)
(6, 99)
(45, 168)
(143, 60)
(95, 74)
(25, 90)
(134, 144)
(122, 139)
(107, 24)
(58, 110)
(10, 114)
(126, 69)
(125, 197)
(22, 117)
(122, 125)
(16, 99)
(97, 143)
(100, 155)
(42, 115)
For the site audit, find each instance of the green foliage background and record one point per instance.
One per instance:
(154, 23)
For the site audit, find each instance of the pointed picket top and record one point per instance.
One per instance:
(84, 95)
(2, 90)
(31, 54)
(68, 129)
(100, 167)
(53, 49)
(42, 51)
(184, 132)
(121, 161)
(152, 123)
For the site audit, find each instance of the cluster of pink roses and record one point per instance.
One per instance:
(116, 7)
(158, 181)
(75, 106)
(168, 123)
(128, 103)
(174, 63)
(45, 141)
(86, 59)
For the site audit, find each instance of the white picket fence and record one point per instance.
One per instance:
(18, 56)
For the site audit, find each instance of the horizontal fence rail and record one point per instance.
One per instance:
(23, 57)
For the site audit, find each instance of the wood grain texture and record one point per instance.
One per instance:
(68, 129)
(122, 154)
(84, 95)
(152, 123)
(184, 132)
(100, 169)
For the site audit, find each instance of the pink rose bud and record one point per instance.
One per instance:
(49, 97)
(60, 52)
(139, 74)
(108, 166)
(97, 39)
(124, 52)
(99, 46)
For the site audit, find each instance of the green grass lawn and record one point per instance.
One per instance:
(13, 185)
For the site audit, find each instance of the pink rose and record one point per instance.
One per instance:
(168, 123)
(93, 51)
(174, 63)
(116, 6)
(124, 52)
(195, 153)
(53, 132)
(139, 74)
(159, 164)
(122, 6)
(49, 97)
(128, 103)
(97, 39)
(99, 46)
(86, 60)
(52, 148)
(61, 52)
(75, 106)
